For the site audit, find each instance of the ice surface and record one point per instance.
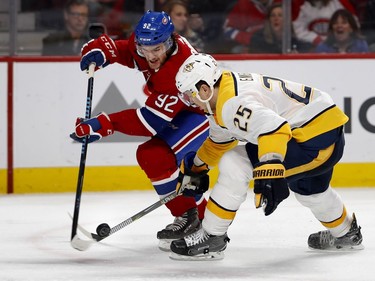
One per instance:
(35, 241)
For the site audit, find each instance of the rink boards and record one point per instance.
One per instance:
(39, 105)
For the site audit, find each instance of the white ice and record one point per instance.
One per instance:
(35, 241)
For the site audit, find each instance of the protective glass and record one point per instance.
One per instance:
(155, 50)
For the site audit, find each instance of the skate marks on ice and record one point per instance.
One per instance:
(36, 232)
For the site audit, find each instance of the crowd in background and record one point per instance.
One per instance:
(214, 26)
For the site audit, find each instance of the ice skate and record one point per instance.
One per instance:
(199, 246)
(323, 240)
(182, 226)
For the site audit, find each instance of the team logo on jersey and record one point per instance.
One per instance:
(188, 67)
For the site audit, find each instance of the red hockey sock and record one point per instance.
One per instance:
(180, 205)
(201, 208)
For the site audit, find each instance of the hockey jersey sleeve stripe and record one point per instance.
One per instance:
(159, 114)
(328, 120)
(211, 152)
(228, 90)
(275, 142)
(219, 211)
(151, 121)
(191, 136)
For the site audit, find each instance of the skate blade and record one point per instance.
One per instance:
(202, 257)
(165, 245)
(342, 249)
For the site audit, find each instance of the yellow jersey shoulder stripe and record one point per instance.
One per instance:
(227, 90)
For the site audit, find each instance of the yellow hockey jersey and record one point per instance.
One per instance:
(267, 111)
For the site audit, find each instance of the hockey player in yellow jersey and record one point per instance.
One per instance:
(291, 137)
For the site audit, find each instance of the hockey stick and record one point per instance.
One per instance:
(83, 245)
(82, 163)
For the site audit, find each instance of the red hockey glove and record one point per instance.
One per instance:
(101, 51)
(270, 185)
(192, 179)
(95, 128)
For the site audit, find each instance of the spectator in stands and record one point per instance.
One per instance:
(118, 16)
(366, 15)
(206, 19)
(69, 41)
(158, 4)
(196, 23)
(311, 24)
(360, 8)
(269, 38)
(178, 11)
(48, 15)
(245, 18)
(343, 35)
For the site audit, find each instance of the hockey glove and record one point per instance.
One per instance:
(270, 185)
(95, 128)
(192, 179)
(101, 51)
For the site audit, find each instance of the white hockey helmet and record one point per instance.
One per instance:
(196, 68)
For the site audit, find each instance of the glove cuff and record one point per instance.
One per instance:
(109, 48)
(106, 127)
(191, 167)
(200, 170)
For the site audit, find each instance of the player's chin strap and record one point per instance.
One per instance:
(207, 101)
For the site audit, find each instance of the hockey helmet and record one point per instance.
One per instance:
(198, 67)
(153, 28)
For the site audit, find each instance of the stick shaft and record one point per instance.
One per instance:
(142, 213)
(82, 162)
(82, 245)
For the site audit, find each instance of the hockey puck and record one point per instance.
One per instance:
(103, 230)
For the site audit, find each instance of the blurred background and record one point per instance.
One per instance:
(329, 44)
(212, 26)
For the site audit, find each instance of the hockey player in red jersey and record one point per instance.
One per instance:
(175, 128)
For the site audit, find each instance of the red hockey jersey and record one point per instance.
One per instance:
(163, 103)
